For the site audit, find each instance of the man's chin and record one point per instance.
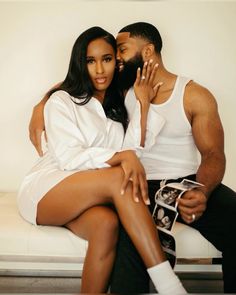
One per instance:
(127, 77)
(125, 82)
(120, 68)
(128, 71)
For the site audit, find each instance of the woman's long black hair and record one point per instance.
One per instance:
(78, 83)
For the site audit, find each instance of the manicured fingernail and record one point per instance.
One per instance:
(147, 202)
(156, 65)
(122, 192)
(136, 200)
(145, 63)
(151, 60)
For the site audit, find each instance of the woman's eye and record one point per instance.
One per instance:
(107, 59)
(90, 61)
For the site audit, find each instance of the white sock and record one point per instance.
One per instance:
(165, 280)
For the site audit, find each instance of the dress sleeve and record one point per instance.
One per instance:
(132, 139)
(66, 141)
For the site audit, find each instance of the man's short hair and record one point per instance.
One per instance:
(145, 31)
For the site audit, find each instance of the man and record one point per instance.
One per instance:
(191, 123)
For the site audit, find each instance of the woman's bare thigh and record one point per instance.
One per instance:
(78, 192)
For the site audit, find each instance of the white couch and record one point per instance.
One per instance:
(26, 249)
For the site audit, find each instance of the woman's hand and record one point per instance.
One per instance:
(36, 127)
(134, 172)
(145, 92)
(144, 89)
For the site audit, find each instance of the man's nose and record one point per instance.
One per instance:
(118, 56)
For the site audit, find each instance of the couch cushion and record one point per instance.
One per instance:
(20, 238)
(190, 244)
(21, 241)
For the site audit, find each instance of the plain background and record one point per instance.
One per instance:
(36, 38)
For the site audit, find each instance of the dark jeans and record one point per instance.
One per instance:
(217, 225)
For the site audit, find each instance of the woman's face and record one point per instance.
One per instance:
(101, 64)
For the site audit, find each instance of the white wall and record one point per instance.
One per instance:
(36, 38)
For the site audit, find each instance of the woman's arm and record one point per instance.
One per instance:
(145, 92)
(145, 123)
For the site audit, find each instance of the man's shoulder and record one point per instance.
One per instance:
(198, 97)
(195, 88)
(195, 91)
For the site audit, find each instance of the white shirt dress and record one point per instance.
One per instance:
(80, 137)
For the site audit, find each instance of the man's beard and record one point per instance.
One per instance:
(128, 74)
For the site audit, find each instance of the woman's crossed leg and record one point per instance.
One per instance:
(68, 202)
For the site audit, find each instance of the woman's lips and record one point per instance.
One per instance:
(100, 80)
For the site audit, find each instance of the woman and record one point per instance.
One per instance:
(84, 169)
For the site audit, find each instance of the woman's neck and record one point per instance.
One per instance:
(99, 97)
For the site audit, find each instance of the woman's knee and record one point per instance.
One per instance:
(107, 220)
(115, 180)
(106, 227)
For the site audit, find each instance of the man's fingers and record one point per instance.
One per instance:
(190, 203)
(187, 218)
(45, 136)
(186, 210)
(35, 138)
(37, 142)
(193, 210)
(32, 137)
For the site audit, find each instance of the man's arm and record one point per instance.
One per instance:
(201, 109)
(36, 125)
(209, 138)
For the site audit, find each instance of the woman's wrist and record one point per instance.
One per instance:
(144, 103)
(119, 157)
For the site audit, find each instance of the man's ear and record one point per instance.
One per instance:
(148, 51)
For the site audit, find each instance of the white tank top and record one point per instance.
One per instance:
(174, 153)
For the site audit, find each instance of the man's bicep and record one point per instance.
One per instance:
(207, 127)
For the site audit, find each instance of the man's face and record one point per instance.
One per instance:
(129, 58)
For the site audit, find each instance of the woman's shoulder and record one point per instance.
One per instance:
(60, 98)
(60, 95)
